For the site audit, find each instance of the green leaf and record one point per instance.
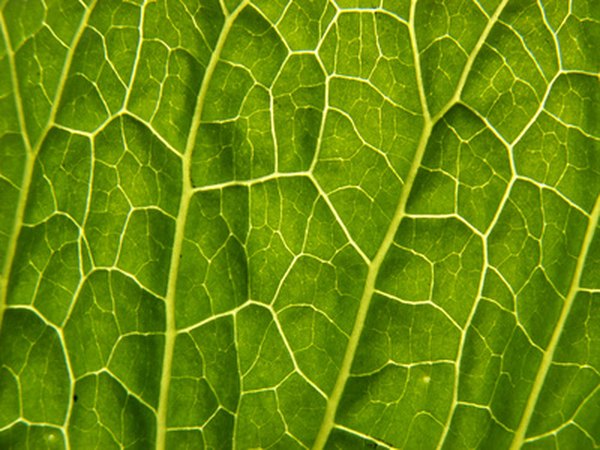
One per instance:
(336, 224)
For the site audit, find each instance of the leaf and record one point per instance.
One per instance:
(299, 224)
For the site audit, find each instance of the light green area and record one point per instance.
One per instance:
(288, 224)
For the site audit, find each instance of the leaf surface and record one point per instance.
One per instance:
(299, 224)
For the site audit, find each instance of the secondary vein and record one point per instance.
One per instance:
(400, 213)
(181, 220)
(31, 151)
(27, 171)
(375, 264)
(548, 356)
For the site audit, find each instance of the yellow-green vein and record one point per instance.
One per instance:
(186, 197)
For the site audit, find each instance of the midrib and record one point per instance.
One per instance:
(369, 289)
(187, 193)
(548, 355)
(31, 151)
(373, 269)
(27, 173)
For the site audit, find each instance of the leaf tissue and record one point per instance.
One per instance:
(299, 224)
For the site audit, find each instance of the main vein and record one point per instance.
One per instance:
(31, 150)
(399, 214)
(27, 171)
(548, 356)
(367, 295)
(186, 197)
(375, 264)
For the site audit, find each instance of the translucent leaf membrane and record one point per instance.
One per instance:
(299, 224)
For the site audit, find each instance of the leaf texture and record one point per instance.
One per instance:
(290, 224)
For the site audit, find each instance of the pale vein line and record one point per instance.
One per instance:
(373, 270)
(250, 182)
(27, 172)
(339, 220)
(374, 266)
(456, 99)
(548, 356)
(470, 61)
(32, 151)
(571, 420)
(136, 60)
(364, 436)
(186, 197)
(15, 82)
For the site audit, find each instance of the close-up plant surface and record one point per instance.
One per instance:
(299, 224)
